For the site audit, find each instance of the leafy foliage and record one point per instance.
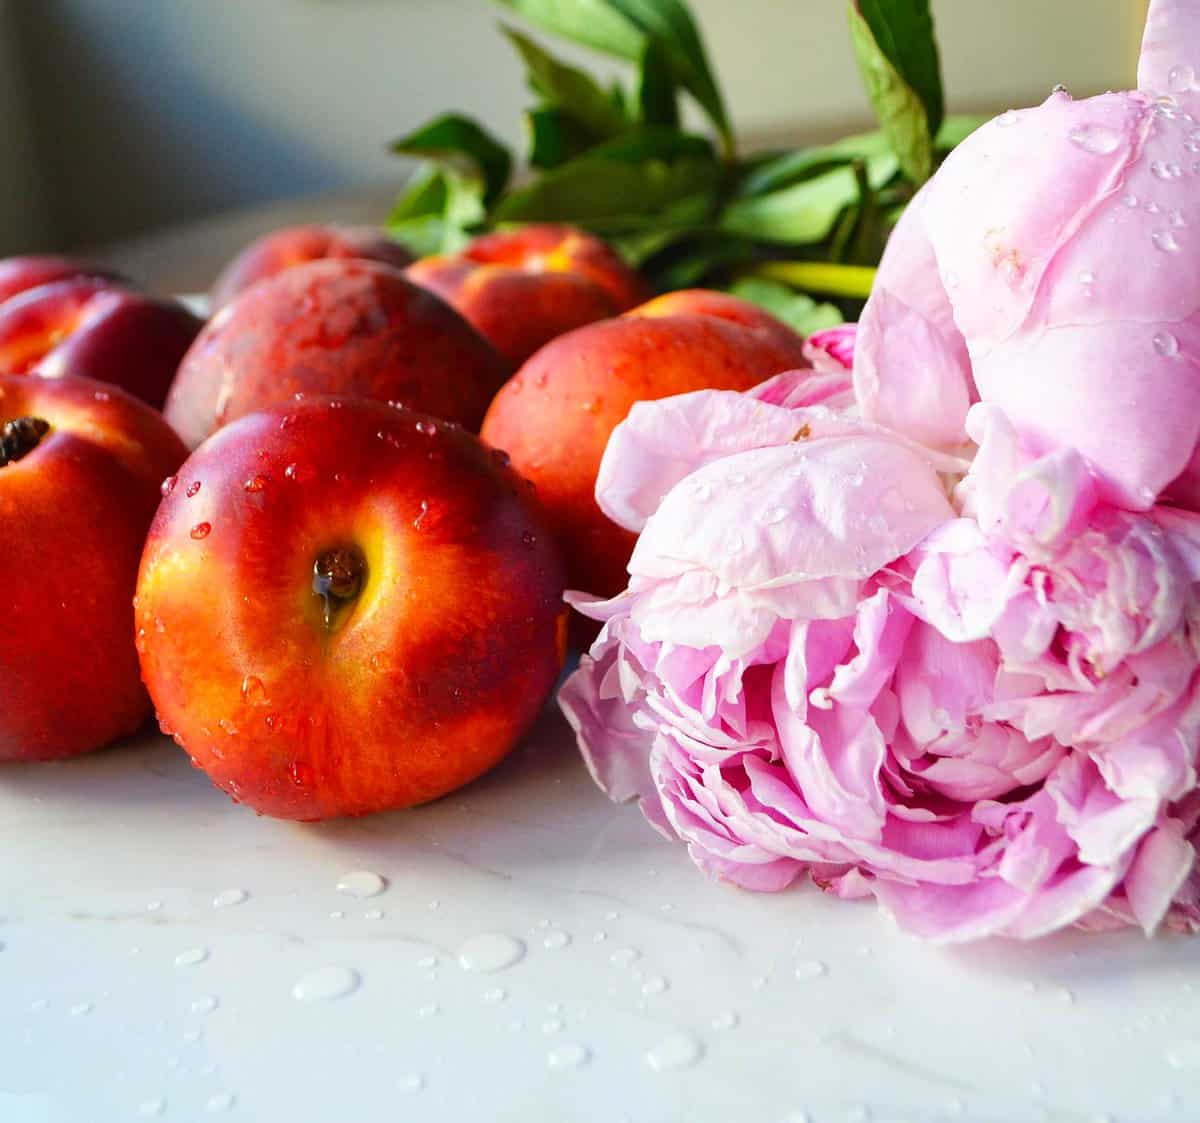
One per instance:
(685, 208)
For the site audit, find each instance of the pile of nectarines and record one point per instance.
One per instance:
(342, 600)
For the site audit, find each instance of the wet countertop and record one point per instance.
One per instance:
(523, 950)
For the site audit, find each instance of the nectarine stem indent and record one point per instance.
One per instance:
(338, 577)
(20, 437)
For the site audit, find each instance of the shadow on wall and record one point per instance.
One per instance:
(185, 152)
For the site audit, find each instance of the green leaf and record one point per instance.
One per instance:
(438, 211)
(900, 111)
(697, 259)
(806, 212)
(848, 281)
(956, 128)
(787, 168)
(568, 88)
(903, 31)
(555, 136)
(799, 311)
(462, 144)
(671, 23)
(621, 28)
(594, 23)
(640, 237)
(656, 91)
(590, 188)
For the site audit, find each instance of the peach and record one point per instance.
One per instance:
(89, 327)
(81, 463)
(17, 274)
(348, 607)
(355, 328)
(555, 416)
(522, 288)
(295, 245)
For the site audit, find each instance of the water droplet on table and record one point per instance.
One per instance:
(496, 994)
(796, 1117)
(1184, 1054)
(676, 1050)
(191, 957)
(411, 1082)
(326, 983)
(726, 1019)
(428, 1010)
(810, 969)
(82, 1008)
(552, 1025)
(227, 898)
(361, 883)
(556, 939)
(490, 951)
(373, 914)
(568, 1056)
(222, 1101)
(624, 957)
(656, 984)
(151, 1109)
(205, 1005)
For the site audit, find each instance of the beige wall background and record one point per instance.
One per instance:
(118, 116)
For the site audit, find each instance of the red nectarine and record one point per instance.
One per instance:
(348, 607)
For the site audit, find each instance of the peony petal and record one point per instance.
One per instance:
(1170, 58)
(1162, 864)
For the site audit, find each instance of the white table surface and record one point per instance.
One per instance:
(801, 1007)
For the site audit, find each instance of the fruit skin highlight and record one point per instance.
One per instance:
(522, 288)
(439, 655)
(554, 417)
(294, 245)
(356, 328)
(75, 502)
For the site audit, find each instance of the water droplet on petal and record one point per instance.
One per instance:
(1166, 344)
(1131, 200)
(1181, 79)
(1166, 241)
(1007, 119)
(1099, 139)
(1151, 207)
(1176, 219)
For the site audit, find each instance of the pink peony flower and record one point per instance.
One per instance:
(800, 677)
(1052, 267)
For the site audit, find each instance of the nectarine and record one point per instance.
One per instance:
(355, 328)
(522, 288)
(295, 245)
(347, 607)
(81, 463)
(18, 274)
(556, 414)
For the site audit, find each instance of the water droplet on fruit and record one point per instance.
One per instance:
(676, 1050)
(191, 957)
(1166, 344)
(361, 884)
(528, 537)
(193, 489)
(424, 511)
(227, 727)
(1098, 139)
(205, 1005)
(102, 395)
(168, 485)
(568, 1056)
(490, 951)
(515, 386)
(427, 428)
(301, 773)
(325, 984)
(253, 691)
(201, 530)
(227, 898)
(296, 473)
(272, 722)
(287, 420)
(255, 483)
(1166, 241)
